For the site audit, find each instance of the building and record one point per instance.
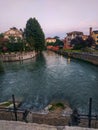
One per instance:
(14, 32)
(84, 37)
(95, 36)
(50, 40)
(72, 35)
(66, 45)
(69, 37)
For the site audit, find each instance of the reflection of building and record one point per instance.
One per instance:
(72, 35)
(14, 32)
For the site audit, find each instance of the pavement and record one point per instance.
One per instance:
(16, 125)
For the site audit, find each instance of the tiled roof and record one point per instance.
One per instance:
(75, 32)
(96, 31)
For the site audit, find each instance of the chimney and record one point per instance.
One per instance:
(90, 31)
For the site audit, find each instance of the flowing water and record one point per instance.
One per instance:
(49, 77)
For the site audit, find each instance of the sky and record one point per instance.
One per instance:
(56, 17)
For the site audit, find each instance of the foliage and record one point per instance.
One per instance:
(5, 104)
(56, 37)
(59, 43)
(1, 35)
(3, 44)
(12, 45)
(57, 105)
(78, 43)
(70, 50)
(90, 41)
(50, 44)
(96, 47)
(34, 35)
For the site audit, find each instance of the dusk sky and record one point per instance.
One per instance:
(56, 17)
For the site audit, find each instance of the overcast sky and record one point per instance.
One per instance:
(56, 17)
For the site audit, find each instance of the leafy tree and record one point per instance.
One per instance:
(56, 37)
(50, 44)
(12, 39)
(79, 43)
(90, 41)
(3, 43)
(14, 45)
(58, 42)
(34, 35)
(1, 35)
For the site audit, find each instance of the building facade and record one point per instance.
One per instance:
(95, 36)
(50, 40)
(13, 32)
(72, 35)
(84, 37)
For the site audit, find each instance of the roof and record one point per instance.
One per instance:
(96, 31)
(49, 38)
(13, 29)
(75, 32)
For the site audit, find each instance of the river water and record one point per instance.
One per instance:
(50, 77)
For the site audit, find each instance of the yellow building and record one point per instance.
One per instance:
(50, 40)
(95, 36)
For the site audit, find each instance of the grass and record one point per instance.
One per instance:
(5, 104)
(67, 50)
(56, 105)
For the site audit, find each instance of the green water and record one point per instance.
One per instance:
(49, 77)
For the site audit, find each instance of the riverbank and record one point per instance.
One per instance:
(55, 117)
(17, 56)
(85, 56)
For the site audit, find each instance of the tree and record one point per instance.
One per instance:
(90, 41)
(1, 35)
(15, 44)
(56, 37)
(79, 43)
(58, 42)
(3, 43)
(34, 35)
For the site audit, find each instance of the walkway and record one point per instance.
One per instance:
(12, 125)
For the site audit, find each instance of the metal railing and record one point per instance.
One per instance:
(16, 114)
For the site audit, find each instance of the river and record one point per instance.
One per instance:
(50, 77)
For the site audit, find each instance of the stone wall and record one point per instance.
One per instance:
(89, 57)
(17, 56)
(86, 57)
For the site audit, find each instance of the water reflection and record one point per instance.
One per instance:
(1, 67)
(49, 77)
